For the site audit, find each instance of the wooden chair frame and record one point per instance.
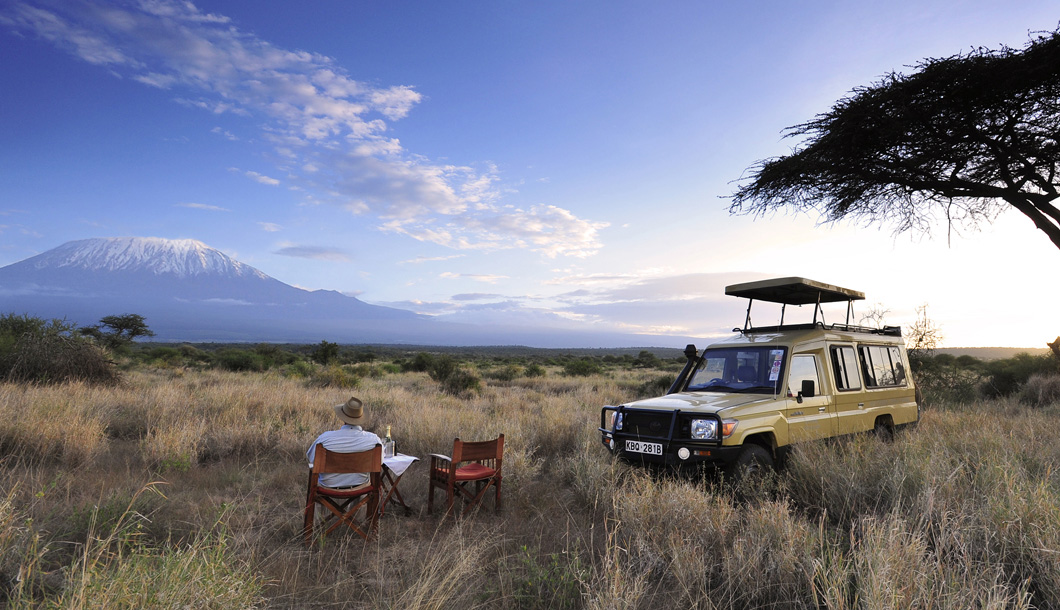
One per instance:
(477, 463)
(342, 503)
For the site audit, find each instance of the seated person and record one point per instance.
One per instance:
(350, 438)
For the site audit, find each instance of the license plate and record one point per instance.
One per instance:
(640, 447)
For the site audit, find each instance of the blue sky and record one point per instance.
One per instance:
(561, 163)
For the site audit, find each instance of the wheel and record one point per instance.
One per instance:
(883, 430)
(754, 460)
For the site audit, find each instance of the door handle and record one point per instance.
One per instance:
(822, 409)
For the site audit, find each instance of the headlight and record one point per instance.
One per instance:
(616, 421)
(705, 429)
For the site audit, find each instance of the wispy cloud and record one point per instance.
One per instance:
(321, 253)
(480, 277)
(429, 259)
(476, 296)
(331, 127)
(271, 227)
(263, 179)
(224, 132)
(203, 206)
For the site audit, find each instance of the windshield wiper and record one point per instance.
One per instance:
(757, 389)
(713, 387)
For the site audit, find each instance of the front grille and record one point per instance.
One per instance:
(647, 424)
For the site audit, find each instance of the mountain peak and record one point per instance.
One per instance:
(155, 255)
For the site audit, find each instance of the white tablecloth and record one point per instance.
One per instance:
(399, 463)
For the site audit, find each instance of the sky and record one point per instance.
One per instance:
(548, 163)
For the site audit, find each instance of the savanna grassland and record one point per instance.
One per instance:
(183, 486)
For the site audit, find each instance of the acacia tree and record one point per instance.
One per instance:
(963, 136)
(119, 331)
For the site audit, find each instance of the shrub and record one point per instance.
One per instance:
(442, 367)
(508, 372)
(35, 351)
(646, 360)
(421, 363)
(534, 370)
(334, 376)
(231, 359)
(1006, 377)
(325, 352)
(1041, 391)
(657, 386)
(582, 367)
(299, 368)
(461, 382)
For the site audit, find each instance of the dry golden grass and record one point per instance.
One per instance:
(199, 477)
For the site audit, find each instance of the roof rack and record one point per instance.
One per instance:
(795, 291)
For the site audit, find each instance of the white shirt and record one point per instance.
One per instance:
(347, 439)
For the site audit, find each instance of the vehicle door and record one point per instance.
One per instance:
(850, 390)
(809, 417)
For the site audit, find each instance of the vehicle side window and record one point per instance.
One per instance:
(803, 367)
(882, 366)
(845, 366)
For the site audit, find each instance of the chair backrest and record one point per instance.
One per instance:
(478, 451)
(368, 461)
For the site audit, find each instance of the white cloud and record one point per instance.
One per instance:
(262, 178)
(430, 259)
(224, 132)
(481, 277)
(321, 120)
(271, 227)
(203, 206)
(321, 253)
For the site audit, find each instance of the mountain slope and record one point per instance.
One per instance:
(186, 290)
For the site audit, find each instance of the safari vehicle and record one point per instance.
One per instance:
(744, 401)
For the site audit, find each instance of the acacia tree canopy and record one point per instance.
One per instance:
(961, 138)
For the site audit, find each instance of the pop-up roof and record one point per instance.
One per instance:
(793, 291)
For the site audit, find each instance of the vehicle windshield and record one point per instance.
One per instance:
(748, 370)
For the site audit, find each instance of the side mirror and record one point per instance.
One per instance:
(808, 389)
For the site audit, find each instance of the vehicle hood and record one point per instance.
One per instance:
(703, 402)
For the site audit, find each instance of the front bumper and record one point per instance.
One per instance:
(674, 453)
(665, 429)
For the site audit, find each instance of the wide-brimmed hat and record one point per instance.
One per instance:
(351, 412)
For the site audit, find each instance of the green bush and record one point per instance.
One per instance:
(508, 372)
(420, 363)
(534, 370)
(231, 359)
(1041, 391)
(299, 368)
(334, 376)
(1006, 377)
(656, 387)
(582, 367)
(461, 382)
(35, 351)
(442, 367)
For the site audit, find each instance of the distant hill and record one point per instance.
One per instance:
(992, 353)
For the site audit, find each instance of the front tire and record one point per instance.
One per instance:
(753, 461)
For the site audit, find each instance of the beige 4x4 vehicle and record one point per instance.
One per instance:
(744, 401)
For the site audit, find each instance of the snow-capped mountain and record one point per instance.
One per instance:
(189, 291)
(178, 257)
